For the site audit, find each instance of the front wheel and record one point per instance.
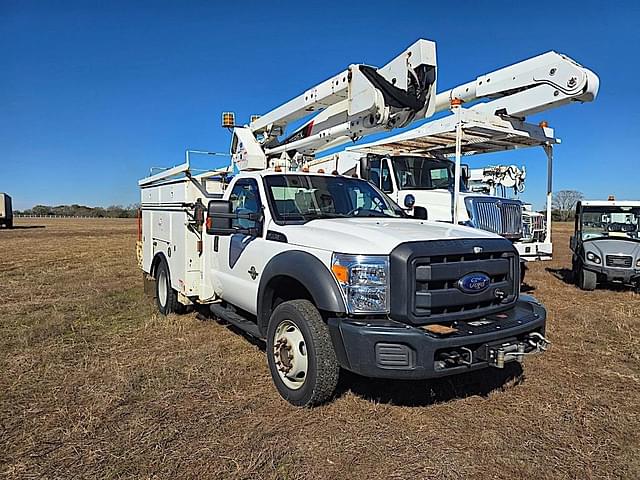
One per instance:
(300, 353)
(587, 280)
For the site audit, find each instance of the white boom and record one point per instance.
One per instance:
(540, 83)
(358, 101)
(363, 100)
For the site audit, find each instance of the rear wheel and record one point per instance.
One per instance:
(300, 353)
(587, 280)
(166, 297)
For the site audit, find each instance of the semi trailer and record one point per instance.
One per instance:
(6, 211)
(325, 267)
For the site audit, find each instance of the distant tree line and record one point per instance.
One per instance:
(114, 211)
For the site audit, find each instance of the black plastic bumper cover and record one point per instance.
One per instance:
(390, 349)
(626, 275)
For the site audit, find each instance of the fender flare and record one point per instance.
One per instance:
(157, 258)
(308, 271)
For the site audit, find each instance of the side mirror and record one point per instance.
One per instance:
(364, 168)
(465, 174)
(420, 213)
(573, 242)
(409, 201)
(220, 219)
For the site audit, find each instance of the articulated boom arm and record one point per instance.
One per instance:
(498, 177)
(363, 100)
(524, 88)
(358, 101)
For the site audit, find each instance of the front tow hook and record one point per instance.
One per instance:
(533, 343)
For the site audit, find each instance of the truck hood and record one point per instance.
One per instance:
(610, 246)
(438, 201)
(373, 236)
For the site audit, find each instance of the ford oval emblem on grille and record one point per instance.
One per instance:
(474, 282)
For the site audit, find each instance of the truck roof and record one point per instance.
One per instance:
(610, 203)
(270, 172)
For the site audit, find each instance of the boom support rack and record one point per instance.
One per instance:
(472, 131)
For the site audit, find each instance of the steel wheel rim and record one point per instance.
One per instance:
(290, 354)
(162, 288)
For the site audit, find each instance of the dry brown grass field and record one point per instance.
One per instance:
(95, 384)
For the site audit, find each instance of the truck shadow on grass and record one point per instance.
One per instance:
(412, 393)
(566, 275)
(25, 227)
(526, 288)
(421, 393)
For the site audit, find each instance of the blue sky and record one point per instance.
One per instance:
(93, 94)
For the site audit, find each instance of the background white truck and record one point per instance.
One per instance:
(488, 115)
(6, 211)
(326, 268)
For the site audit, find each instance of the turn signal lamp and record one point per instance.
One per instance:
(254, 118)
(543, 124)
(341, 272)
(228, 119)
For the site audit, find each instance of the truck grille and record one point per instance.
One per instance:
(496, 215)
(533, 227)
(622, 261)
(432, 274)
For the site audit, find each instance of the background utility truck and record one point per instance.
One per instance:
(508, 181)
(423, 166)
(6, 212)
(327, 269)
(606, 243)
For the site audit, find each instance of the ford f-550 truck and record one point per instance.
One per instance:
(332, 274)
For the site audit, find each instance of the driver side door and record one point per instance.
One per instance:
(239, 259)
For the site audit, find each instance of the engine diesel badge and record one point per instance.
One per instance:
(474, 282)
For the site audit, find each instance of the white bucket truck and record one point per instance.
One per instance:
(327, 269)
(418, 167)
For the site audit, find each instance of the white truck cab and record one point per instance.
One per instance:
(415, 168)
(426, 181)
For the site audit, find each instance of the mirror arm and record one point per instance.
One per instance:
(231, 231)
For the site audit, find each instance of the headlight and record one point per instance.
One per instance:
(592, 257)
(638, 263)
(364, 280)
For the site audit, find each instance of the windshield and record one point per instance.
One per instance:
(419, 173)
(617, 222)
(301, 198)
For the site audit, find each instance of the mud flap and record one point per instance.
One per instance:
(149, 284)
